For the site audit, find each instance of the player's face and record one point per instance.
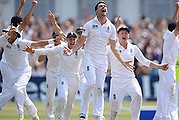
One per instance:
(102, 9)
(12, 39)
(123, 35)
(71, 41)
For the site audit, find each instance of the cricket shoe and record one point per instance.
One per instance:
(36, 118)
(82, 116)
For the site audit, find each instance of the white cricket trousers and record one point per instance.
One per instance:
(51, 82)
(118, 89)
(67, 87)
(165, 97)
(174, 109)
(95, 67)
(14, 84)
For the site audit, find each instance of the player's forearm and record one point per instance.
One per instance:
(18, 12)
(57, 28)
(4, 37)
(174, 18)
(27, 17)
(154, 65)
(79, 44)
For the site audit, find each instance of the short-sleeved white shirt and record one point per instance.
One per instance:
(69, 65)
(98, 36)
(13, 55)
(170, 48)
(132, 51)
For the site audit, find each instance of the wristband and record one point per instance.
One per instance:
(33, 51)
(51, 41)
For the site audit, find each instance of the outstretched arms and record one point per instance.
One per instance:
(19, 10)
(28, 16)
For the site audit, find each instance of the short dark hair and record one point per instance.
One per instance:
(15, 20)
(71, 34)
(123, 28)
(96, 6)
(171, 26)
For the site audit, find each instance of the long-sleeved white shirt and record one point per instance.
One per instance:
(13, 55)
(69, 65)
(132, 51)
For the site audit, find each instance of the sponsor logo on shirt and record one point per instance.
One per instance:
(95, 26)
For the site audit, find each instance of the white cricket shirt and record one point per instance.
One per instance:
(69, 65)
(13, 55)
(132, 51)
(53, 60)
(170, 48)
(98, 36)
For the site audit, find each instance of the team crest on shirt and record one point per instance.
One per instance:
(108, 29)
(95, 26)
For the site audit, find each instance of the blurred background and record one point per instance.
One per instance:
(147, 19)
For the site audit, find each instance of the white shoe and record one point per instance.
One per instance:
(36, 118)
(97, 117)
(82, 116)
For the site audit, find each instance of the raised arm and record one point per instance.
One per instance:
(28, 16)
(19, 10)
(118, 22)
(43, 43)
(57, 28)
(176, 14)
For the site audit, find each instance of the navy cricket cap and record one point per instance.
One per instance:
(171, 26)
(8, 28)
(71, 34)
(124, 28)
(15, 20)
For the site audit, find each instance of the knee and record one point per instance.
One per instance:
(138, 99)
(62, 102)
(99, 91)
(32, 110)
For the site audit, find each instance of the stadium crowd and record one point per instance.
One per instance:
(146, 33)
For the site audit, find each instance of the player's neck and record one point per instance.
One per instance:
(102, 19)
(123, 43)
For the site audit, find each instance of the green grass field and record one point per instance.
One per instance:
(9, 111)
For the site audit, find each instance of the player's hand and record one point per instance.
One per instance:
(60, 38)
(28, 49)
(163, 67)
(118, 22)
(67, 51)
(177, 5)
(127, 65)
(23, 2)
(51, 16)
(34, 2)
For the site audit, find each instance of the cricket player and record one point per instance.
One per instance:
(167, 79)
(98, 32)
(7, 88)
(123, 81)
(53, 64)
(68, 82)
